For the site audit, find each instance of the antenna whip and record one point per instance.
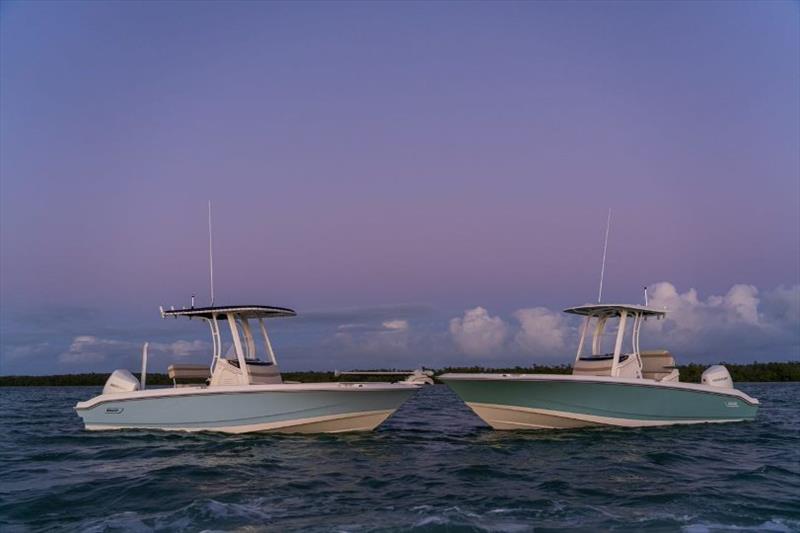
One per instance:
(210, 254)
(603, 267)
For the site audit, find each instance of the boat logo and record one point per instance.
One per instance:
(114, 410)
(732, 404)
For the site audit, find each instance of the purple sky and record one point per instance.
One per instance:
(379, 162)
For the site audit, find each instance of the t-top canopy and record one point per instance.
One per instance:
(615, 310)
(244, 311)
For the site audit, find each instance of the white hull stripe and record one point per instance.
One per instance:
(357, 421)
(480, 410)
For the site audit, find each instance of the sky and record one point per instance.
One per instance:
(425, 183)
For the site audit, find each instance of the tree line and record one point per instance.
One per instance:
(785, 371)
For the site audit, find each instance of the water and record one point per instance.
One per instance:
(433, 466)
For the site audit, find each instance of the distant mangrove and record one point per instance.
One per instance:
(750, 372)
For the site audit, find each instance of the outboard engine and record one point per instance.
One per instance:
(121, 381)
(717, 376)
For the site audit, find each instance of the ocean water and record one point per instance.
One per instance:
(433, 466)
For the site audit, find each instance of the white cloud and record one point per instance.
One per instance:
(742, 299)
(741, 323)
(542, 331)
(89, 349)
(396, 325)
(477, 333)
(688, 311)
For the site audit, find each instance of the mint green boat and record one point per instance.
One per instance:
(630, 388)
(242, 392)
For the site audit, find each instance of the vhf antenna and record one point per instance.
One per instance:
(210, 254)
(605, 248)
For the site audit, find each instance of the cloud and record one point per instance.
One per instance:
(743, 300)
(183, 348)
(742, 323)
(477, 333)
(542, 331)
(90, 349)
(390, 336)
(396, 325)
(687, 311)
(782, 305)
(25, 351)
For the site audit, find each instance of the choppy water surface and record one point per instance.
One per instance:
(432, 466)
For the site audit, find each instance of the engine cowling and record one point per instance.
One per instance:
(717, 376)
(121, 380)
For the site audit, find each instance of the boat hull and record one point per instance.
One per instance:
(272, 408)
(562, 402)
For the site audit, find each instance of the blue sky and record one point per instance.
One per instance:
(443, 168)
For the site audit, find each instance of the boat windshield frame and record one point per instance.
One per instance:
(602, 313)
(238, 319)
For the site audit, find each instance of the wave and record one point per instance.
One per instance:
(435, 467)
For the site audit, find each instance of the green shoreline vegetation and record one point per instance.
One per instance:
(751, 372)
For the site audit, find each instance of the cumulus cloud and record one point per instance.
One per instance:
(542, 331)
(688, 311)
(742, 322)
(477, 333)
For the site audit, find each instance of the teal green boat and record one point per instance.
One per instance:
(629, 388)
(239, 393)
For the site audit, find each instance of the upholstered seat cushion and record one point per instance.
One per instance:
(188, 371)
